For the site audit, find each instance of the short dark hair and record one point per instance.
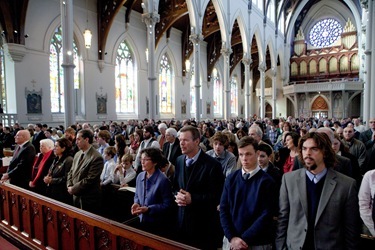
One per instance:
(324, 143)
(295, 136)
(65, 143)
(248, 140)
(155, 155)
(149, 128)
(265, 148)
(194, 131)
(85, 133)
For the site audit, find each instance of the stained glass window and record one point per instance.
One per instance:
(165, 85)
(218, 93)
(325, 32)
(233, 96)
(2, 81)
(125, 80)
(57, 73)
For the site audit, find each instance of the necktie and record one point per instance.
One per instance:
(81, 160)
(161, 142)
(124, 173)
(169, 151)
(246, 176)
(15, 154)
(189, 162)
(315, 180)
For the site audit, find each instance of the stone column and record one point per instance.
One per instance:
(246, 60)
(197, 39)
(262, 70)
(150, 19)
(226, 53)
(274, 93)
(251, 99)
(370, 31)
(68, 60)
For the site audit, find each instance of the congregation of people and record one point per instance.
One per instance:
(294, 183)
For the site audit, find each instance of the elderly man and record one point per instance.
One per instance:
(171, 148)
(162, 127)
(257, 133)
(356, 147)
(20, 167)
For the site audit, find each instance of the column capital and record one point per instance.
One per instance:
(246, 60)
(150, 19)
(226, 51)
(262, 67)
(196, 39)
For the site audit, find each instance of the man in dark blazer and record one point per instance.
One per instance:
(20, 167)
(198, 184)
(318, 206)
(368, 138)
(171, 148)
(84, 177)
(38, 136)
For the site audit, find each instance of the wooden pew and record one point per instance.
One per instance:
(42, 223)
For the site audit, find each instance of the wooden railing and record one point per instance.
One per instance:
(38, 222)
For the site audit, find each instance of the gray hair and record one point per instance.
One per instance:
(171, 131)
(162, 126)
(48, 143)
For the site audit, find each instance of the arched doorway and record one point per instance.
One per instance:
(268, 110)
(319, 108)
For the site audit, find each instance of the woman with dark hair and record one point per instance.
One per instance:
(58, 172)
(153, 196)
(286, 156)
(120, 145)
(134, 145)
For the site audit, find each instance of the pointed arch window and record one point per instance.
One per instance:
(218, 93)
(125, 80)
(233, 96)
(57, 73)
(2, 81)
(165, 85)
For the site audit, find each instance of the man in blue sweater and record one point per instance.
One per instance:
(248, 203)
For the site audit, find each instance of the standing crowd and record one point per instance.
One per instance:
(290, 183)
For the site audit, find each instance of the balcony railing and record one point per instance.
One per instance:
(8, 119)
(320, 85)
(38, 222)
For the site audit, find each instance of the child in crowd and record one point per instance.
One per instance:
(124, 173)
(109, 166)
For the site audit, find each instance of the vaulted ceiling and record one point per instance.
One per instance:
(173, 14)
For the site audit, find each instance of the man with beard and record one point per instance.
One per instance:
(318, 206)
(148, 141)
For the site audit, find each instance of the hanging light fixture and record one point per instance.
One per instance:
(87, 34)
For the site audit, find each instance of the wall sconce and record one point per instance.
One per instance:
(187, 66)
(87, 35)
(146, 55)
